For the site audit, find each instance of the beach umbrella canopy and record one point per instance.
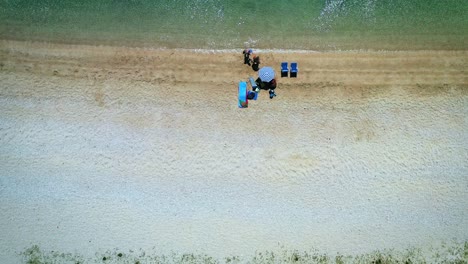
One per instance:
(266, 74)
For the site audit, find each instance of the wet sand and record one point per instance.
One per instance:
(113, 147)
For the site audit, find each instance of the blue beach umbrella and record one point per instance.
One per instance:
(266, 74)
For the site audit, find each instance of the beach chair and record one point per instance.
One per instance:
(293, 71)
(251, 95)
(284, 69)
(253, 84)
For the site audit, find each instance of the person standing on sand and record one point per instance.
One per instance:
(247, 53)
(255, 62)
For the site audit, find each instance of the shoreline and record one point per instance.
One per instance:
(224, 51)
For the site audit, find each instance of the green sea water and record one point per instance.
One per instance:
(230, 24)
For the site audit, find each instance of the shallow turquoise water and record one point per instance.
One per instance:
(218, 24)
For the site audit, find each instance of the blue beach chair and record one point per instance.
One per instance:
(293, 71)
(284, 69)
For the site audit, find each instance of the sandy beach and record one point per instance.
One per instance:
(113, 147)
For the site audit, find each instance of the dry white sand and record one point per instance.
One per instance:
(112, 147)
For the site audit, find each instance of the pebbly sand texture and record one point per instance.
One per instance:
(113, 147)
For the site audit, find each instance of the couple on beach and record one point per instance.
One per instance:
(265, 80)
(254, 62)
